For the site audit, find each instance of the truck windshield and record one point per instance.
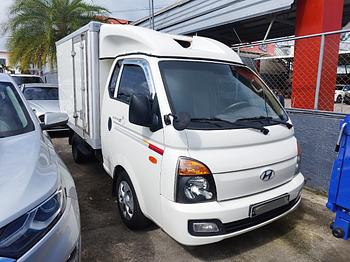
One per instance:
(216, 91)
(14, 118)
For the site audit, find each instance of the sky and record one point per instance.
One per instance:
(124, 9)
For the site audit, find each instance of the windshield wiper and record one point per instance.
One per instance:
(288, 125)
(262, 129)
(206, 120)
(260, 118)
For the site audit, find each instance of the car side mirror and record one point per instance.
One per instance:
(140, 111)
(181, 121)
(54, 119)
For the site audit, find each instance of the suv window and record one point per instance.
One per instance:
(133, 81)
(14, 117)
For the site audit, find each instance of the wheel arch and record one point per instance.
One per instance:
(116, 172)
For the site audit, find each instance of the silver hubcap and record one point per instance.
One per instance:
(126, 200)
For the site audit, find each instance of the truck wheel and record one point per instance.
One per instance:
(80, 151)
(128, 205)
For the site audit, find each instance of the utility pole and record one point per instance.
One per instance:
(151, 13)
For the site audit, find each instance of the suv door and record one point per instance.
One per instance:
(127, 144)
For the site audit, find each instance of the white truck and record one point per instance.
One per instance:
(192, 138)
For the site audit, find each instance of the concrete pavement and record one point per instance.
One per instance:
(303, 235)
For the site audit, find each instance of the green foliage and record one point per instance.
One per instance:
(35, 26)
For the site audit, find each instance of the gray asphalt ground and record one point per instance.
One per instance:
(303, 235)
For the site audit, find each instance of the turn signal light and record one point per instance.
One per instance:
(190, 167)
(194, 183)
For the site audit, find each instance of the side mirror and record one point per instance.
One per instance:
(140, 111)
(54, 119)
(181, 121)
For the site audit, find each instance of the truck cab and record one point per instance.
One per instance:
(193, 139)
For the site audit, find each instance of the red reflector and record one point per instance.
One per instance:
(156, 149)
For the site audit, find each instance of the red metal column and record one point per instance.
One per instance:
(316, 16)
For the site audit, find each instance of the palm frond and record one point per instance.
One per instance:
(35, 26)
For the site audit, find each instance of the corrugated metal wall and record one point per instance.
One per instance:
(188, 17)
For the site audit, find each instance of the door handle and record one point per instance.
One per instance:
(109, 123)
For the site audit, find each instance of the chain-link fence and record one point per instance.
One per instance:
(310, 72)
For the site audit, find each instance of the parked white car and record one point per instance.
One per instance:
(43, 98)
(39, 211)
(340, 92)
(193, 139)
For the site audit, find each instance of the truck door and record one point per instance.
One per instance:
(80, 85)
(129, 145)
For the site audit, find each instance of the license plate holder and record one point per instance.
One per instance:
(269, 205)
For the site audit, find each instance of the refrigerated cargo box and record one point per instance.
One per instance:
(79, 81)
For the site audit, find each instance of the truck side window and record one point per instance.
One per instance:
(113, 82)
(133, 81)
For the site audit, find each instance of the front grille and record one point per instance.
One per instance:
(253, 221)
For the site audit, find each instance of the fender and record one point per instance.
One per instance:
(123, 163)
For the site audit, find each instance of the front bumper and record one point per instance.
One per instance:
(232, 214)
(62, 242)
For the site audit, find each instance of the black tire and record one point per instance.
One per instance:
(339, 99)
(137, 220)
(80, 150)
(338, 232)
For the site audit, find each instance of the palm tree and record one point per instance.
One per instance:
(35, 26)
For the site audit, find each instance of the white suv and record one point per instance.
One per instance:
(340, 92)
(39, 217)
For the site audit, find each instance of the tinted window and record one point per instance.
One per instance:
(113, 83)
(14, 118)
(27, 79)
(346, 88)
(340, 87)
(40, 93)
(133, 81)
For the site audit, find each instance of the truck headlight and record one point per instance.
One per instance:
(20, 235)
(195, 182)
